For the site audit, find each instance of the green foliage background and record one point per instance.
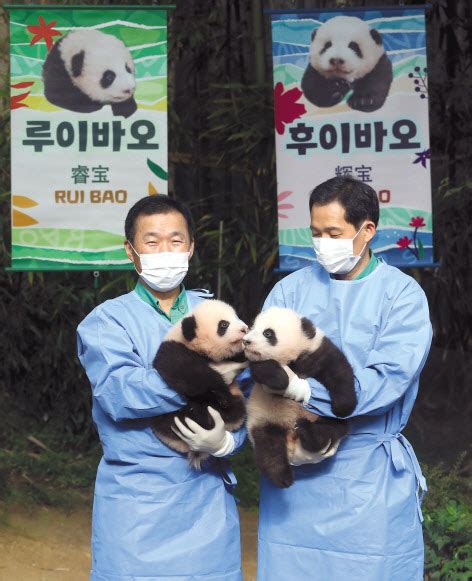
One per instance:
(221, 147)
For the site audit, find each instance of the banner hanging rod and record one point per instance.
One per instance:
(88, 7)
(397, 7)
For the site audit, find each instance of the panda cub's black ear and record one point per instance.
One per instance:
(313, 33)
(189, 326)
(308, 328)
(376, 36)
(77, 62)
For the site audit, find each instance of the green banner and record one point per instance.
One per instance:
(89, 130)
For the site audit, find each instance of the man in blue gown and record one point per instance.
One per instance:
(355, 516)
(154, 517)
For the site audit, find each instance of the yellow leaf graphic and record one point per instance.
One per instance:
(23, 202)
(20, 219)
(151, 189)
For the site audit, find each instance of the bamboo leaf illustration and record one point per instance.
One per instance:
(420, 250)
(23, 202)
(20, 219)
(157, 170)
(152, 189)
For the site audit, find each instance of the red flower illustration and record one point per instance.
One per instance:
(280, 198)
(417, 222)
(44, 31)
(286, 107)
(404, 242)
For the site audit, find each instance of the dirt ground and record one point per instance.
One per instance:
(48, 545)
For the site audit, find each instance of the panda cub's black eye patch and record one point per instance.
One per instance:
(327, 45)
(107, 79)
(222, 327)
(356, 48)
(271, 337)
(128, 69)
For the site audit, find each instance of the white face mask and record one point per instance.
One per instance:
(163, 271)
(336, 255)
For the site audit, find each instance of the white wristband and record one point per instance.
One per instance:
(227, 447)
(298, 389)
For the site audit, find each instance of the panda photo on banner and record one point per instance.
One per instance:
(347, 55)
(87, 69)
(351, 99)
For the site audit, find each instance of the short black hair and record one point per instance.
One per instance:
(156, 204)
(359, 200)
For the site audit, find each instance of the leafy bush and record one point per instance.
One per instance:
(247, 474)
(448, 534)
(447, 525)
(39, 466)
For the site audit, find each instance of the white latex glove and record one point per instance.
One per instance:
(217, 441)
(298, 389)
(301, 456)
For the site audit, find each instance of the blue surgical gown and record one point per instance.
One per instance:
(154, 517)
(357, 515)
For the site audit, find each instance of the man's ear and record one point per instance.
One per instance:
(133, 256)
(189, 326)
(370, 230)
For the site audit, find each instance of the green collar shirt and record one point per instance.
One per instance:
(178, 310)
(371, 266)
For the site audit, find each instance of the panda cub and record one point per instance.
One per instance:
(199, 358)
(87, 69)
(280, 427)
(346, 54)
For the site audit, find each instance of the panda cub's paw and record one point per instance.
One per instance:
(269, 373)
(365, 102)
(300, 456)
(125, 108)
(312, 436)
(223, 399)
(282, 476)
(343, 404)
(339, 89)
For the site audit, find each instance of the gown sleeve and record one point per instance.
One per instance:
(275, 298)
(393, 364)
(123, 386)
(239, 439)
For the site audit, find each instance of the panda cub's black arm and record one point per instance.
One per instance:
(125, 108)
(269, 373)
(321, 91)
(371, 91)
(329, 366)
(186, 371)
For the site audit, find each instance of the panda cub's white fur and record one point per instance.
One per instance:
(280, 344)
(199, 358)
(289, 344)
(347, 55)
(338, 60)
(87, 69)
(102, 52)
